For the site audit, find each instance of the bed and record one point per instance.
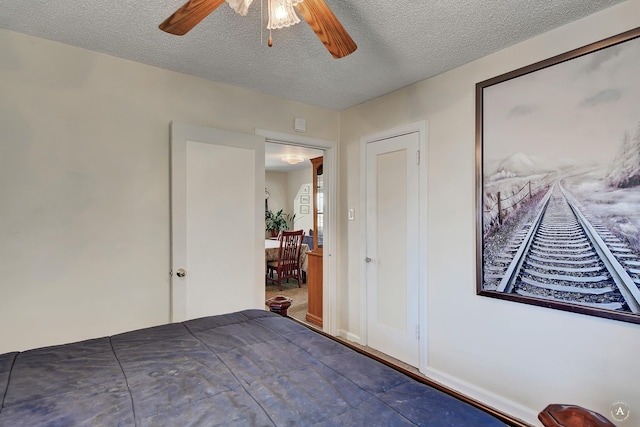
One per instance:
(250, 368)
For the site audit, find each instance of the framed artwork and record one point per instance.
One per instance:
(304, 209)
(558, 181)
(305, 188)
(304, 199)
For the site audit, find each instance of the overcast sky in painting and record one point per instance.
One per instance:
(576, 110)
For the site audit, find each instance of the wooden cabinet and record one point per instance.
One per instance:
(314, 273)
(314, 283)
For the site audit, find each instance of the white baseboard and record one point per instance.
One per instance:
(484, 396)
(479, 394)
(348, 336)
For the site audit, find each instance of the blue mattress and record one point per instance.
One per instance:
(251, 368)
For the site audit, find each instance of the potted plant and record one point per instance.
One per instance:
(274, 222)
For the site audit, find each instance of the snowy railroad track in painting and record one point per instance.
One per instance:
(565, 257)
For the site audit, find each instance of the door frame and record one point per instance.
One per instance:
(421, 128)
(330, 172)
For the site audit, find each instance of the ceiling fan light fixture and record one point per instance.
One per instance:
(281, 13)
(292, 159)
(240, 6)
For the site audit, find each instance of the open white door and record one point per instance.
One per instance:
(217, 224)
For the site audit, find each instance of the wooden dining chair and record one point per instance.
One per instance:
(288, 264)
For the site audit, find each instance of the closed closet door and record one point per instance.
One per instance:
(392, 268)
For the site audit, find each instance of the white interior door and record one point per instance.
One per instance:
(217, 229)
(392, 248)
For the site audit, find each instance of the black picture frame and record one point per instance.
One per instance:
(552, 139)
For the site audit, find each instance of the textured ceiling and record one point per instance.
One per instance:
(399, 42)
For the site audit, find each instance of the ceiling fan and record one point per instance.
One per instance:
(316, 12)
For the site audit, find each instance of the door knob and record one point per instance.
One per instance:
(181, 272)
(367, 259)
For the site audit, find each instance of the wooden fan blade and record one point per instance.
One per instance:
(327, 27)
(188, 16)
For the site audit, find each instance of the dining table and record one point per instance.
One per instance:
(271, 248)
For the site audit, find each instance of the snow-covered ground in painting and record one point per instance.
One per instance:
(516, 179)
(617, 208)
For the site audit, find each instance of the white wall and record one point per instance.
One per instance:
(296, 180)
(283, 188)
(515, 356)
(277, 183)
(84, 184)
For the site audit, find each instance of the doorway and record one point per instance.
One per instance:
(290, 200)
(394, 242)
(328, 150)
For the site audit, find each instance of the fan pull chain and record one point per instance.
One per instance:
(270, 39)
